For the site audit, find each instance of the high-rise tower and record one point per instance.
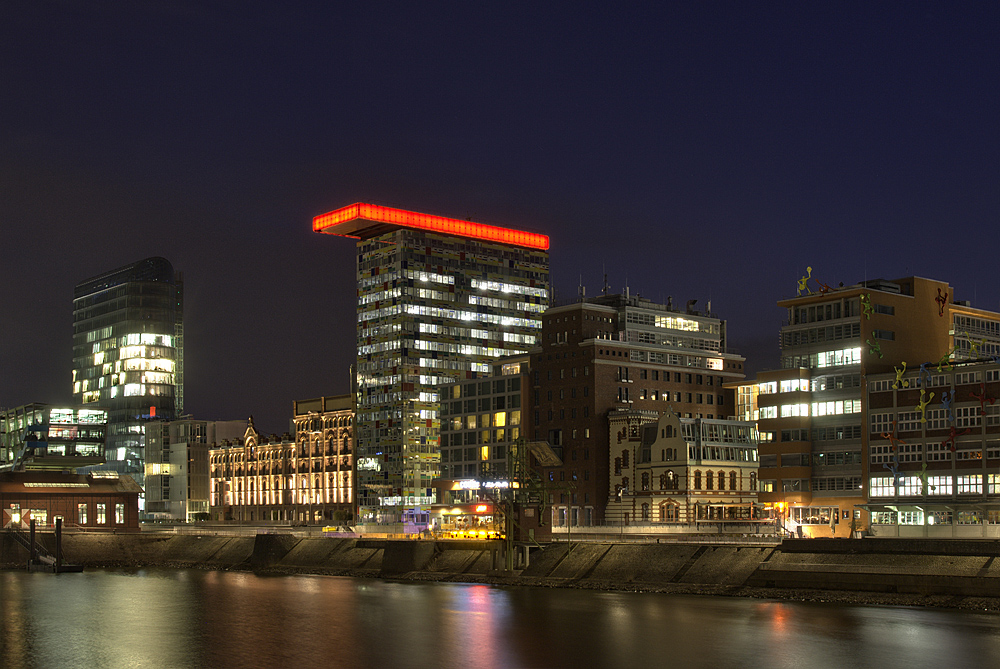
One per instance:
(128, 343)
(439, 300)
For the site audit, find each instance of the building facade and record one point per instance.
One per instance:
(177, 475)
(619, 352)
(439, 300)
(934, 451)
(128, 354)
(813, 414)
(305, 479)
(480, 419)
(96, 501)
(48, 436)
(681, 473)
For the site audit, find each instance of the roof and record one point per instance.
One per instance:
(364, 221)
(48, 483)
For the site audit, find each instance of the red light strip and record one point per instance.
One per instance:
(412, 219)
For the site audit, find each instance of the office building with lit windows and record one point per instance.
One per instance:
(177, 474)
(439, 300)
(609, 354)
(128, 354)
(48, 436)
(934, 449)
(480, 420)
(821, 428)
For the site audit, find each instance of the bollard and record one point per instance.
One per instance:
(58, 545)
(32, 553)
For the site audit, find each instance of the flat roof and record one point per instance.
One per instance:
(364, 221)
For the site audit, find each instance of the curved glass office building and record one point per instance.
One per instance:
(128, 353)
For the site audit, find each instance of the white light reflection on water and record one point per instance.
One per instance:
(162, 618)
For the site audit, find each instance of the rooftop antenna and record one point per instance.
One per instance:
(582, 290)
(605, 291)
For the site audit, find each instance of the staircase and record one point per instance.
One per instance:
(42, 556)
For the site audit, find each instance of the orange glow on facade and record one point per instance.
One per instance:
(361, 220)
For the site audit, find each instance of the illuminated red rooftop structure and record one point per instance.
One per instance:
(363, 221)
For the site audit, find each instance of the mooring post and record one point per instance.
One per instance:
(58, 545)
(32, 553)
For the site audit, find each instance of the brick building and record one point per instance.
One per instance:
(615, 352)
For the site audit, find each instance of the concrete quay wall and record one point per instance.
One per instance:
(906, 566)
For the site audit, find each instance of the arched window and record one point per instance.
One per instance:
(697, 480)
(732, 480)
(753, 480)
(645, 511)
(669, 512)
(709, 481)
(722, 480)
(645, 480)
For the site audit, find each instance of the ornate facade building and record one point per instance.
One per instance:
(690, 471)
(308, 479)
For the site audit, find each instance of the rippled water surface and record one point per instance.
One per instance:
(171, 618)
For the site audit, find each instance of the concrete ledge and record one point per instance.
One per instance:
(919, 584)
(818, 568)
(985, 547)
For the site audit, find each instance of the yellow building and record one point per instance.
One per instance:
(308, 479)
(813, 413)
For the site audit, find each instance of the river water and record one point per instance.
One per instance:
(192, 618)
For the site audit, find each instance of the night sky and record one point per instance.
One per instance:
(705, 151)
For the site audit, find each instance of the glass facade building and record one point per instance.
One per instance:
(46, 436)
(128, 354)
(439, 300)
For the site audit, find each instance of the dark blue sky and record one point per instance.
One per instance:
(698, 150)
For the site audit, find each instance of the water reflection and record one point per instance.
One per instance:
(161, 618)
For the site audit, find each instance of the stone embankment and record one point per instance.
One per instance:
(894, 571)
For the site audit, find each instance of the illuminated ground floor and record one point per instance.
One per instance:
(474, 520)
(942, 520)
(815, 517)
(285, 513)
